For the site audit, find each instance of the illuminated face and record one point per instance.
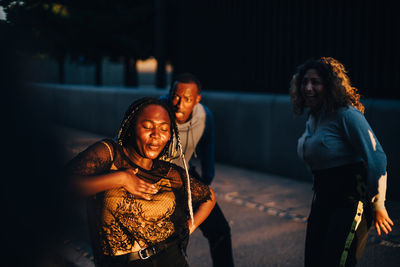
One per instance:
(152, 131)
(312, 90)
(185, 98)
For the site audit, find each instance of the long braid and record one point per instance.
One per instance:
(189, 191)
(184, 78)
(178, 147)
(129, 121)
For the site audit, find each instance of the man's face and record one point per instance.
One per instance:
(185, 98)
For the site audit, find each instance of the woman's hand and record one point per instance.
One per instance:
(137, 186)
(383, 222)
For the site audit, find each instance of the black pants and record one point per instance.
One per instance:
(216, 229)
(332, 218)
(218, 233)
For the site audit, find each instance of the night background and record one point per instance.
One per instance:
(232, 46)
(248, 46)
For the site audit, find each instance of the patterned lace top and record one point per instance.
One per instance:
(121, 223)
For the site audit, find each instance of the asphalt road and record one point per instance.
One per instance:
(258, 239)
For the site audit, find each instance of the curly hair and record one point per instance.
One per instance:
(130, 119)
(337, 85)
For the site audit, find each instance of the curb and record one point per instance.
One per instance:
(231, 197)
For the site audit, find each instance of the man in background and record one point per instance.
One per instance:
(196, 131)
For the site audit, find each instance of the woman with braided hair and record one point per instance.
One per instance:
(347, 162)
(138, 229)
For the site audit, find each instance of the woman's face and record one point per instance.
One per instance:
(312, 89)
(152, 131)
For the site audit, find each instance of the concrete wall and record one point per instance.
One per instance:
(255, 131)
(46, 71)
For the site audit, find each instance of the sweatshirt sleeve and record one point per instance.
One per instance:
(365, 143)
(206, 149)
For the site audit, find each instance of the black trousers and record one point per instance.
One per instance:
(218, 233)
(216, 229)
(335, 213)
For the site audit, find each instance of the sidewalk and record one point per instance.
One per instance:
(273, 195)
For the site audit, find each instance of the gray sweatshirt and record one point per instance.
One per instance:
(190, 133)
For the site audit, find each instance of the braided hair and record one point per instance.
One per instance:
(128, 123)
(128, 127)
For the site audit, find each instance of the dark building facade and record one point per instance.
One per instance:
(255, 45)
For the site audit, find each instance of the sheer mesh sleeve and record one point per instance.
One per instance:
(200, 193)
(96, 159)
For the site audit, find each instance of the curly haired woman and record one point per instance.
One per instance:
(347, 162)
(129, 229)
